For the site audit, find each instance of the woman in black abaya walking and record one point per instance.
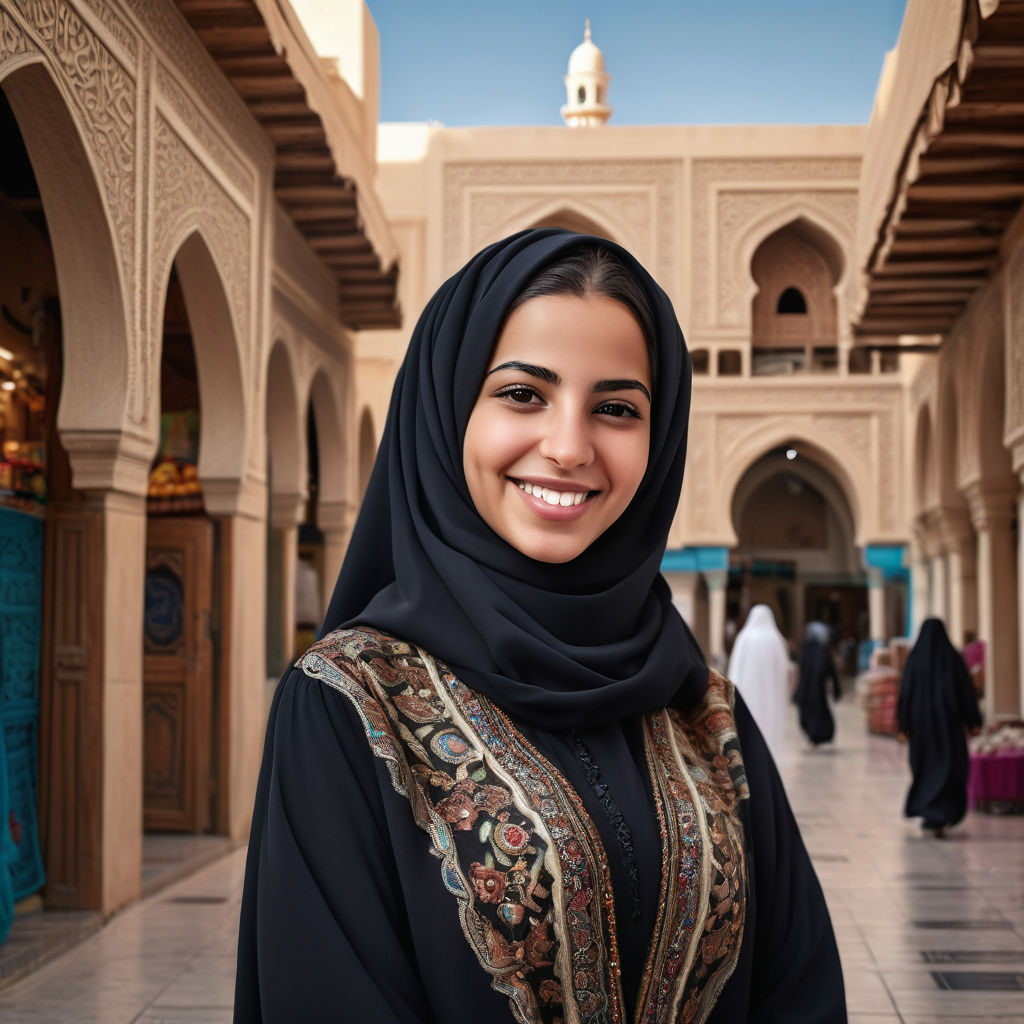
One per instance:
(937, 708)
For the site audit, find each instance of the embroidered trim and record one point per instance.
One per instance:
(521, 855)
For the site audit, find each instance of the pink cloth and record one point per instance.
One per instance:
(996, 777)
(974, 654)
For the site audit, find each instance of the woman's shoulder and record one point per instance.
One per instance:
(352, 654)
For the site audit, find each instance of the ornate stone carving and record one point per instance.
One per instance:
(1014, 334)
(210, 138)
(12, 38)
(185, 193)
(639, 192)
(738, 210)
(118, 28)
(178, 45)
(710, 173)
(104, 98)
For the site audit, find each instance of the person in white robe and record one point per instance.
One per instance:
(759, 667)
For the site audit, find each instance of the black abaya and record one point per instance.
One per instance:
(345, 917)
(816, 668)
(936, 704)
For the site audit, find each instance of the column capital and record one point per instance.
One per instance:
(1017, 457)
(286, 510)
(109, 460)
(954, 526)
(928, 527)
(336, 515)
(991, 503)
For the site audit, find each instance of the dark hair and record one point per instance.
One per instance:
(594, 270)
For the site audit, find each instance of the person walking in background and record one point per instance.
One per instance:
(816, 668)
(759, 669)
(937, 704)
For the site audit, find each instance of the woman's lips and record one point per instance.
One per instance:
(563, 504)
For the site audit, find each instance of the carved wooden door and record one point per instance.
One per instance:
(178, 675)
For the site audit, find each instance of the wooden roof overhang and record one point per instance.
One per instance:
(321, 177)
(959, 184)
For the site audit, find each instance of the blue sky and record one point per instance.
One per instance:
(475, 62)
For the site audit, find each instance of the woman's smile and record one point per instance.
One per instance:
(557, 442)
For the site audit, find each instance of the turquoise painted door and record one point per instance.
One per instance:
(21, 557)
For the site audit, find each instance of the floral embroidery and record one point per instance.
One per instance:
(501, 818)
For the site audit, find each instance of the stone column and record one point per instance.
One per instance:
(920, 577)
(716, 580)
(239, 508)
(335, 519)
(958, 542)
(876, 604)
(286, 512)
(998, 620)
(95, 715)
(1018, 465)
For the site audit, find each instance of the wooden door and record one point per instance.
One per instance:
(178, 675)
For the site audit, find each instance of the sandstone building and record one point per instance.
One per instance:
(205, 244)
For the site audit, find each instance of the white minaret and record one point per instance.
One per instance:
(586, 85)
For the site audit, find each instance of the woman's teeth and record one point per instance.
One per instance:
(563, 498)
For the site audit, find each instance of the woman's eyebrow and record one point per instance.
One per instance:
(540, 372)
(625, 384)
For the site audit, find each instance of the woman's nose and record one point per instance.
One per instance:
(566, 441)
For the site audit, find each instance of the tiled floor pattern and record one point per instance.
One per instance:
(930, 931)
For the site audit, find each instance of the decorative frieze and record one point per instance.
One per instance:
(638, 196)
(730, 195)
(186, 194)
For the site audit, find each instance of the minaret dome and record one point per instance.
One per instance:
(586, 85)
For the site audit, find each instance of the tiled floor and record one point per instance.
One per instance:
(931, 931)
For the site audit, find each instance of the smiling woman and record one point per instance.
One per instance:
(504, 785)
(557, 442)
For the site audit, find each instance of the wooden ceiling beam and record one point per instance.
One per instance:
(967, 282)
(946, 244)
(921, 268)
(966, 191)
(902, 325)
(339, 243)
(325, 213)
(268, 87)
(917, 296)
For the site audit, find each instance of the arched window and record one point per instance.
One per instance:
(581, 95)
(791, 301)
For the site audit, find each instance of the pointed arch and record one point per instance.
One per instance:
(286, 436)
(96, 344)
(367, 448)
(947, 455)
(575, 215)
(224, 434)
(925, 491)
(831, 453)
(332, 438)
(816, 227)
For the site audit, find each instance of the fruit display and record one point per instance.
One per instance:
(22, 476)
(174, 487)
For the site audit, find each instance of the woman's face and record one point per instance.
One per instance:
(558, 440)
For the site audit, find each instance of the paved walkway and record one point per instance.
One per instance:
(931, 931)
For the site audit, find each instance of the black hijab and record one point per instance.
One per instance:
(579, 644)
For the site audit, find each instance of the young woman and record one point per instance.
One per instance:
(937, 708)
(504, 785)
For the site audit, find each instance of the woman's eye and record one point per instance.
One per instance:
(617, 410)
(521, 396)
